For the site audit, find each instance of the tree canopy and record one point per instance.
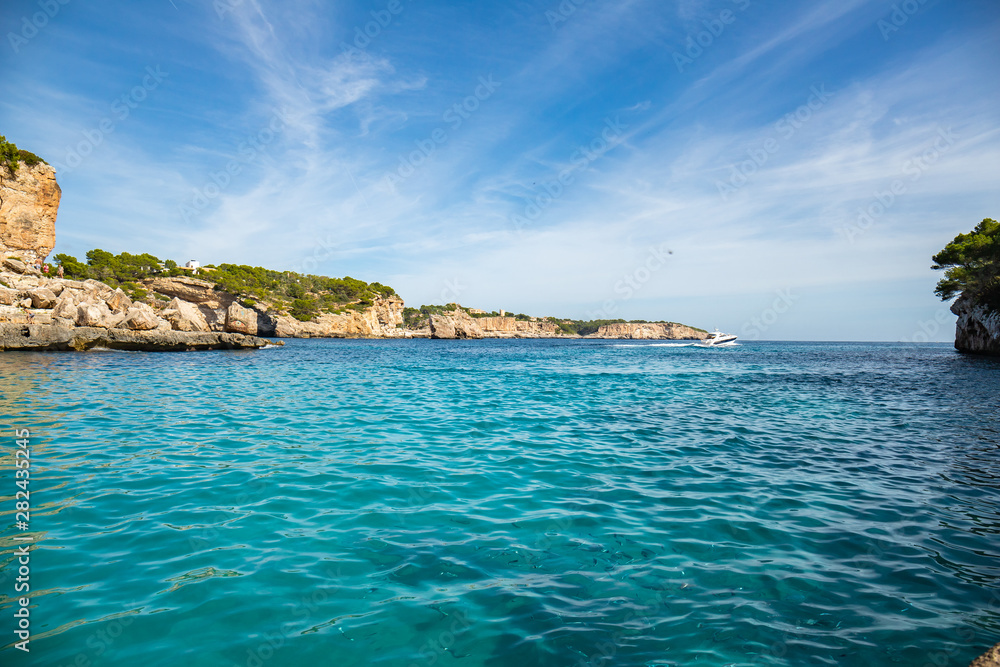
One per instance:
(971, 265)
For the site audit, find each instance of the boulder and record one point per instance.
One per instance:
(140, 317)
(65, 306)
(42, 298)
(118, 301)
(184, 316)
(989, 659)
(241, 320)
(8, 297)
(54, 286)
(95, 314)
(15, 265)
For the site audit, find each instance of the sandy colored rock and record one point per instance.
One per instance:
(382, 319)
(650, 331)
(456, 324)
(184, 316)
(28, 211)
(140, 317)
(95, 314)
(191, 290)
(8, 296)
(118, 301)
(989, 659)
(42, 298)
(241, 320)
(65, 306)
(15, 265)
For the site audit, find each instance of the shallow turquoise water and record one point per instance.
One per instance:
(507, 503)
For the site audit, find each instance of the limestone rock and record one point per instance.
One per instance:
(55, 337)
(978, 328)
(650, 331)
(456, 324)
(989, 659)
(380, 320)
(184, 316)
(42, 298)
(14, 265)
(118, 301)
(140, 317)
(8, 296)
(241, 320)
(28, 211)
(191, 290)
(65, 305)
(95, 314)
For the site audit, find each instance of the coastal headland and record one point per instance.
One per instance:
(139, 302)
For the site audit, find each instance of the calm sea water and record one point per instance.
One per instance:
(507, 503)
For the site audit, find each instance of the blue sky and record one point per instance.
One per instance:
(779, 170)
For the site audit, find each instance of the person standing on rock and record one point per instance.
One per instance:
(59, 271)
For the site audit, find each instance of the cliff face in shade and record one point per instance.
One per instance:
(978, 328)
(650, 331)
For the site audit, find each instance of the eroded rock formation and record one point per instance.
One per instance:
(649, 331)
(28, 205)
(978, 328)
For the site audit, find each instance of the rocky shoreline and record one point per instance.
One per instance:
(55, 337)
(978, 328)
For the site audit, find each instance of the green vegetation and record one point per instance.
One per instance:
(302, 296)
(11, 156)
(972, 266)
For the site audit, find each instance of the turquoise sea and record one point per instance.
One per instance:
(506, 503)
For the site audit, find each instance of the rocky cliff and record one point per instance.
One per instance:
(649, 331)
(28, 206)
(459, 324)
(383, 319)
(212, 310)
(978, 327)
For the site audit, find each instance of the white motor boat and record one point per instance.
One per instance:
(718, 338)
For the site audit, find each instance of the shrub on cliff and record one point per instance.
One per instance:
(11, 156)
(971, 264)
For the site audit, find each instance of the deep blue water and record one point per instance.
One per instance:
(507, 503)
